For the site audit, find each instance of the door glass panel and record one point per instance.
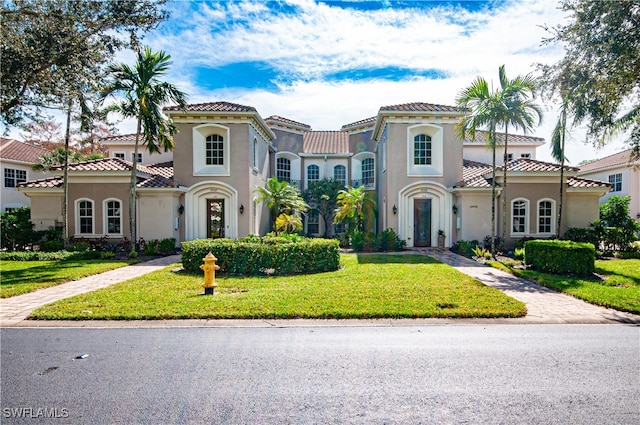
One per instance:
(215, 218)
(422, 222)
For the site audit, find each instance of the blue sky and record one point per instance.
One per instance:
(329, 63)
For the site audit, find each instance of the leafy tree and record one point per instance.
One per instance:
(145, 95)
(56, 158)
(616, 228)
(47, 44)
(600, 67)
(17, 229)
(353, 202)
(558, 153)
(281, 198)
(288, 223)
(321, 196)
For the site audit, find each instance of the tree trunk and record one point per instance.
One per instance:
(493, 190)
(132, 188)
(562, 137)
(503, 195)
(65, 179)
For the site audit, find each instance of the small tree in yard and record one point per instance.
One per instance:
(616, 229)
(322, 197)
(17, 229)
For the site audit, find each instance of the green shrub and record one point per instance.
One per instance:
(582, 234)
(80, 247)
(167, 245)
(387, 240)
(151, 247)
(265, 256)
(107, 255)
(48, 256)
(51, 246)
(481, 252)
(133, 254)
(518, 254)
(465, 248)
(561, 257)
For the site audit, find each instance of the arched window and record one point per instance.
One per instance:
(283, 169)
(546, 212)
(214, 150)
(340, 174)
(520, 216)
(113, 216)
(422, 149)
(313, 173)
(84, 216)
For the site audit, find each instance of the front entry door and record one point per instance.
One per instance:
(215, 218)
(422, 222)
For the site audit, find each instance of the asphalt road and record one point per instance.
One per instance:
(453, 374)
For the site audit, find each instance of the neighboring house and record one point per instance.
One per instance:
(622, 174)
(17, 160)
(123, 147)
(407, 155)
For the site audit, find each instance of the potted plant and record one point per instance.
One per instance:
(441, 238)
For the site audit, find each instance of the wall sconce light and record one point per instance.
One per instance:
(394, 209)
(455, 209)
(181, 209)
(241, 209)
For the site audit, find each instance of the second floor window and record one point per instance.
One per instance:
(313, 173)
(214, 150)
(368, 171)
(12, 177)
(422, 150)
(340, 174)
(283, 169)
(616, 182)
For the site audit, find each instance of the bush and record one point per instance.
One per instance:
(387, 240)
(167, 245)
(48, 256)
(579, 234)
(561, 257)
(51, 246)
(107, 255)
(518, 254)
(465, 248)
(80, 246)
(254, 258)
(486, 242)
(151, 247)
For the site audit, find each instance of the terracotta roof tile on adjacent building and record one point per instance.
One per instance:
(286, 121)
(419, 107)
(157, 181)
(585, 183)
(617, 159)
(50, 182)
(214, 107)
(362, 123)
(481, 137)
(325, 142)
(473, 174)
(127, 138)
(105, 164)
(532, 166)
(20, 151)
(164, 169)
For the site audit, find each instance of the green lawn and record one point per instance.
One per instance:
(617, 284)
(20, 277)
(369, 286)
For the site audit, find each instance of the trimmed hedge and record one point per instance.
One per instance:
(256, 257)
(560, 257)
(49, 256)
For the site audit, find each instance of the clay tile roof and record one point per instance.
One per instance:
(50, 182)
(286, 121)
(128, 138)
(20, 151)
(164, 169)
(419, 107)
(585, 183)
(473, 174)
(620, 158)
(105, 164)
(157, 181)
(325, 142)
(481, 137)
(362, 123)
(213, 107)
(527, 165)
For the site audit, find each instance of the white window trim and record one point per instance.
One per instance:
(553, 216)
(345, 180)
(105, 217)
(122, 153)
(200, 167)
(93, 217)
(527, 215)
(436, 168)
(296, 164)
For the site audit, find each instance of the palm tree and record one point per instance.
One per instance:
(352, 204)
(519, 111)
(483, 109)
(144, 95)
(281, 198)
(558, 152)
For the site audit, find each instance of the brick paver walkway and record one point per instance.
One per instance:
(15, 309)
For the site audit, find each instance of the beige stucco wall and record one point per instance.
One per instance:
(98, 192)
(46, 210)
(158, 216)
(474, 215)
(579, 210)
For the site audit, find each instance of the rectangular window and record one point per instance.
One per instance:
(113, 217)
(616, 182)
(509, 156)
(214, 150)
(544, 217)
(119, 155)
(313, 173)
(525, 155)
(283, 169)
(313, 223)
(519, 216)
(12, 177)
(368, 171)
(139, 157)
(255, 153)
(340, 174)
(422, 150)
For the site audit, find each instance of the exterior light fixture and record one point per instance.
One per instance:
(181, 209)
(241, 209)
(454, 209)
(394, 209)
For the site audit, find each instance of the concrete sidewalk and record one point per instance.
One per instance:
(543, 305)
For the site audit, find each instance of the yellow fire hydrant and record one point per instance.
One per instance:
(209, 267)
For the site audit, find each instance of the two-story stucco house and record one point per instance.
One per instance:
(17, 159)
(623, 175)
(424, 178)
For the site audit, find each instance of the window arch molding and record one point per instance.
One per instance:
(85, 213)
(418, 138)
(520, 217)
(112, 216)
(363, 169)
(221, 134)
